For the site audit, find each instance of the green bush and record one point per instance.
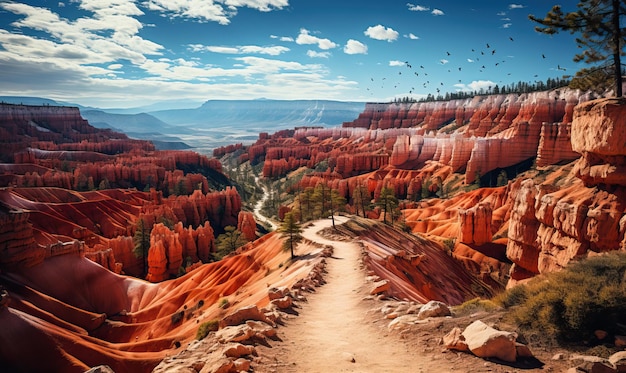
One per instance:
(205, 328)
(475, 305)
(571, 304)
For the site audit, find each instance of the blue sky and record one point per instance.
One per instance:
(125, 53)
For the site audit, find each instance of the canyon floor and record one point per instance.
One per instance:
(341, 329)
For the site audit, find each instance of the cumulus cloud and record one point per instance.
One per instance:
(437, 12)
(475, 85)
(316, 54)
(380, 32)
(211, 10)
(306, 38)
(417, 8)
(242, 49)
(355, 47)
(396, 63)
(516, 6)
(411, 36)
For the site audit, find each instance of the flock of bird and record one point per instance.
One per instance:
(483, 59)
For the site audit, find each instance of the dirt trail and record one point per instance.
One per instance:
(332, 332)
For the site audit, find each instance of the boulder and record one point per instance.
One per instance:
(433, 309)
(618, 360)
(238, 333)
(487, 342)
(455, 340)
(380, 287)
(243, 314)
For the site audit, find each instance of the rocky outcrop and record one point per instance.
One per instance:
(550, 226)
(598, 134)
(475, 224)
(17, 241)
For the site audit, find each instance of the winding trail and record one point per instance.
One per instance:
(332, 332)
(259, 205)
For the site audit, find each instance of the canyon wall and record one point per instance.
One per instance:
(81, 188)
(551, 226)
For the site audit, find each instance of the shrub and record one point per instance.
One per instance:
(205, 328)
(224, 303)
(177, 317)
(475, 305)
(571, 304)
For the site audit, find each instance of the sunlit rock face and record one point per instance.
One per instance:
(599, 135)
(550, 226)
(472, 136)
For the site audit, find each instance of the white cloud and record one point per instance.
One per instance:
(220, 11)
(507, 25)
(437, 12)
(60, 4)
(412, 36)
(355, 47)
(396, 63)
(475, 85)
(306, 38)
(470, 60)
(516, 6)
(316, 54)
(242, 49)
(380, 32)
(443, 61)
(501, 14)
(115, 66)
(417, 8)
(282, 38)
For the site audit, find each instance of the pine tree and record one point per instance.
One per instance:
(337, 203)
(387, 202)
(229, 241)
(601, 35)
(291, 231)
(361, 199)
(141, 241)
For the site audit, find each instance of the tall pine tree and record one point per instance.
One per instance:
(601, 35)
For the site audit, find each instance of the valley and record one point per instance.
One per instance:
(114, 252)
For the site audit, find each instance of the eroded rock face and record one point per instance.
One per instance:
(550, 226)
(598, 134)
(475, 224)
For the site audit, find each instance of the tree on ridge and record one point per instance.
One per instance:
(601, 39)
(291, 230)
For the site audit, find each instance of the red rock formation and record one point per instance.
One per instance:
(550, 226)
(598, 133)
(17, 242)
(247, 225)
(475, 224)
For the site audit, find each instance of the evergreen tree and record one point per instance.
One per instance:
(229, 241)
(320, 199)
(361, 199)
(291, 231)
(141, 241)
(337, 203)
(306, 203)
(601, 35)
(388, 203)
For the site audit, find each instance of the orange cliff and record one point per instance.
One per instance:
(551, 226)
